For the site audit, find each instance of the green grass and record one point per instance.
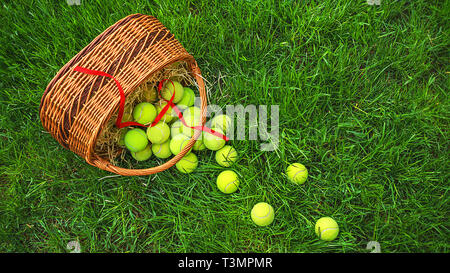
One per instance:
(363, 96)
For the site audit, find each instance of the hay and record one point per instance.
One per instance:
(107, 145)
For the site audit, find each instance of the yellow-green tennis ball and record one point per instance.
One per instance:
(162, 150)
(227, 181)
(168, 116)
(143, 155)
(176, 128)
(136, 140)
(297, 173)
(188, 163)
(327, 229)
(159, 133)
(144, 113)
(262, 214)
(226, 156)
(192, 117)
(167, 91)
(177, 144)
(187, 100)
(199, 145)
(222, 122)
(213, 142)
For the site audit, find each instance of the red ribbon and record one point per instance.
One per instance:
(170, 103)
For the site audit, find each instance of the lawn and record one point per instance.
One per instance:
(363, 102)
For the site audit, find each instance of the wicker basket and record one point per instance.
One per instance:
(75, 106)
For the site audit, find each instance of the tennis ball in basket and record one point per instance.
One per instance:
(188, 163)
(222, 122)
(167, 91)
(162, 150)
(297, 173)
(168, 116)
(176, 128)
(262, 214)
(144, 113)
(136, 140)
(187, 100)
(213, 142)
(199, 145)
(226, 156)
(192, 117)
(327, 229)
(227, 181)
(159, 133)
(144, 154)
(177, 144)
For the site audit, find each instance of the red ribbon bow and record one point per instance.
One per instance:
(170, 103)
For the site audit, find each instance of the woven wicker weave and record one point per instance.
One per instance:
(76, 106)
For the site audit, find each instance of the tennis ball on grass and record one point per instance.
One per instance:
(227, 181)
(162, 150)
(327, 229)
(188, 163)
(159, 133)
(177, 144)
(222, 122)
(168, 116)
(297, 173)
(144, 154)
(167, 91)
(262, 214)
(213, 142)
(226, 156)
(144, 113)
(187, 100)
(136, 140)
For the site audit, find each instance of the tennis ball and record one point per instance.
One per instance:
(159, 133)
(162, 150)
(167, 91)
(199, 145)
(213, 142)
(136, 140)
(226, 156)
(327, 229)
(188, 163)
(222, 122)
(187, 100)
(192, 117)
(144, 113)
(297, 173)
(168, 116)
(144, 154)
(227, 181)
(262, 214)
(176, 128)
(177, 144)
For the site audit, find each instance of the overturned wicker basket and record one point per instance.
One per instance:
(76, 106)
